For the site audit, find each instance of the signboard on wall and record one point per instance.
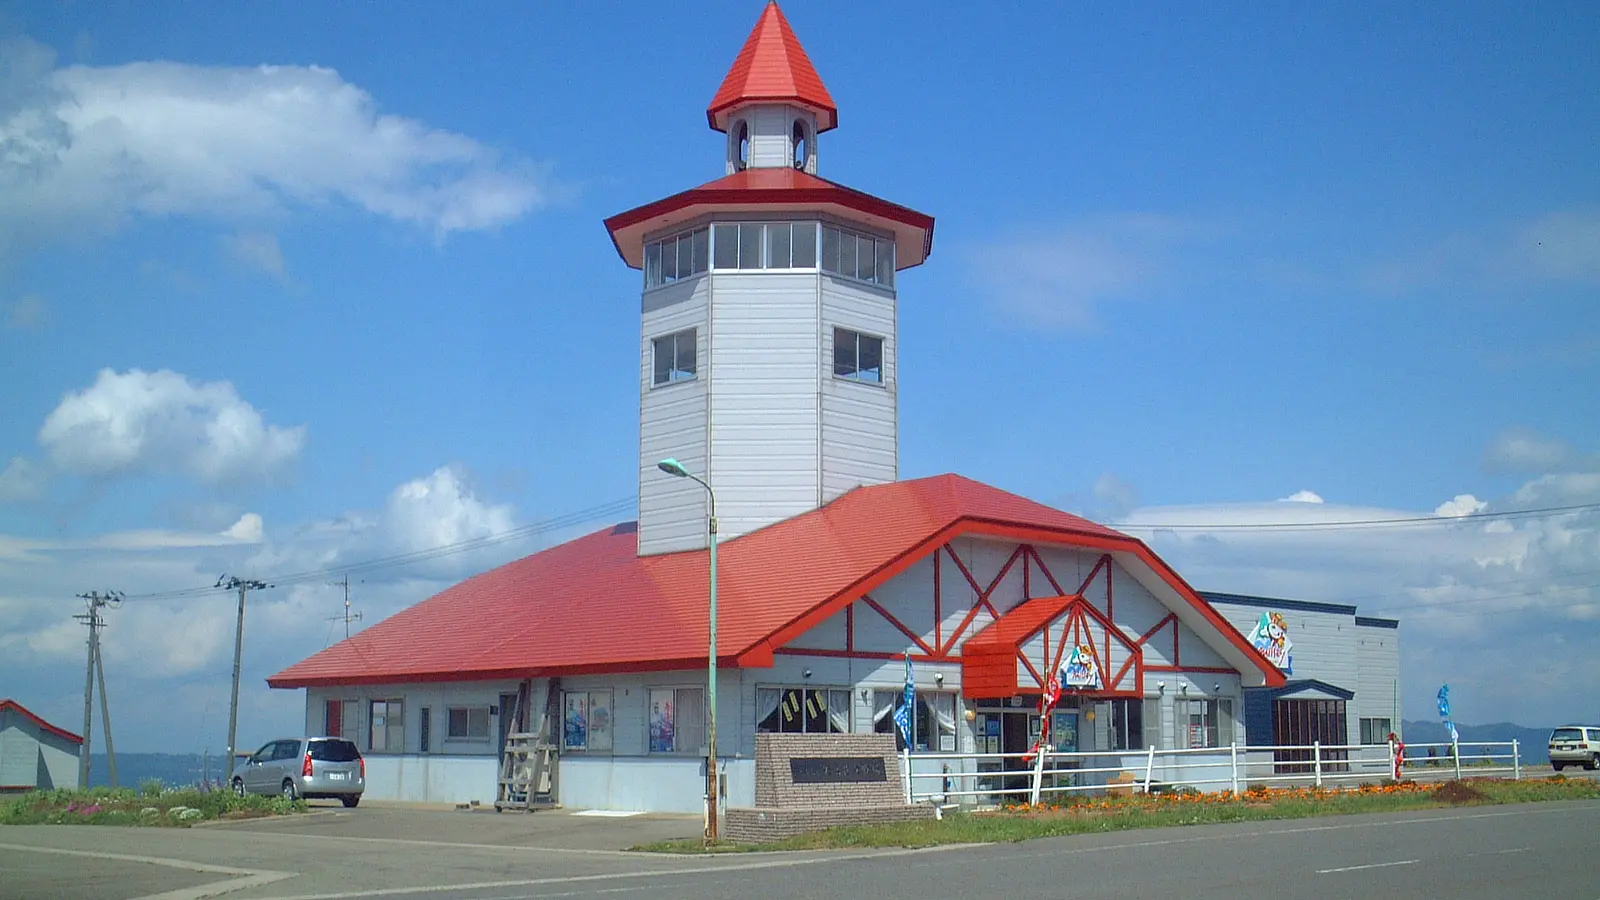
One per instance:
(1271, 638)
(1081, 670)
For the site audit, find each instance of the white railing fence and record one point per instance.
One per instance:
(990, 778)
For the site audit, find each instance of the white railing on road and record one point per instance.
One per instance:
(997, 777)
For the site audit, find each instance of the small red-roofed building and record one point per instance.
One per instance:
(34, 754)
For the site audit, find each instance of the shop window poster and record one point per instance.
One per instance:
(576, 722)
(662, 723)
(600, 721)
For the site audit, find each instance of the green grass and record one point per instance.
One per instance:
(126, 806)
(1103, 814)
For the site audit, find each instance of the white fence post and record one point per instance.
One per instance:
(1516, 759)
(1233, 753)
(1038, 778)
(905, 772)
(1393, 772)
(1149, 769)
(1455, 754)
(1316, 755)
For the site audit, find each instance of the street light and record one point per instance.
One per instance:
(673, 467)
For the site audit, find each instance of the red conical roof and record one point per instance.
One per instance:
(773, 67)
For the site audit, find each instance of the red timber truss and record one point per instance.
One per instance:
(994, 653)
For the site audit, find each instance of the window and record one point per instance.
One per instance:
(856, 356)
(750, 246)
(388, 731)
(467, 723)
(1376, 731)
(858, 256)
(766, 245)
(425, 729)
(795, 710)
(1204, 723)
(674, 357)
(586, 721)
(677, 257)
(1127, 724)
(933, 722)
(677, 720)
(798, 142)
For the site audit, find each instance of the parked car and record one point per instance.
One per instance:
(306, 767)
(1575, 745)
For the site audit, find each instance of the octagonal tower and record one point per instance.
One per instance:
(768, 342)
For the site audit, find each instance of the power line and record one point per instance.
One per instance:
(1477, 584)
(417, 556)
(1459, 601)
(1409, 521)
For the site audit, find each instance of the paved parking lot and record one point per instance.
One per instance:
(394, 852)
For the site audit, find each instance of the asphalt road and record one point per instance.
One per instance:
(1471, 853)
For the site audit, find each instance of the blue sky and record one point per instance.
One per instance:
(1189, 262)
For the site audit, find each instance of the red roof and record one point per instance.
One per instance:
(27, 713)
(593, 605)
(773, 67)
(780, 190)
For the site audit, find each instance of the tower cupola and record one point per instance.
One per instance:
(773, 104)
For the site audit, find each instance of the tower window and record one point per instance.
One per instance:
(858, 256)
(677, 257)
(674, 357)
(742, 161)
(857, 356)
(802, 147)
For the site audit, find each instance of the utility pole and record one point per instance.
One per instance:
(243, 586)
(96, 601)
(348, 617)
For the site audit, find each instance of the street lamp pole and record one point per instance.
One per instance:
(673, 467)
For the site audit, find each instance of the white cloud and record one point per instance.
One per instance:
(257, 250)
(84, 144)
(22, 479)
(248, 528)
(1460, 505)
(1060, 276)
(163, 422)
(1524, 451)
(27, 313)
(1558, 247)
(1302, 497)
(169, 659)
(1471, 595)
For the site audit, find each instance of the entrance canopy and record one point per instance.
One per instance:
(1063, 638)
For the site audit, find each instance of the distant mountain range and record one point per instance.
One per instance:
(1534, 742)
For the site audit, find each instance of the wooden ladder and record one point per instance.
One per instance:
(529, 763)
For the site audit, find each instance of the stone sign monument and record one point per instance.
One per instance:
(808, 782)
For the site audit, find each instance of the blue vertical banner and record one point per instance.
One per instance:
(1444, 713)
(902, 716)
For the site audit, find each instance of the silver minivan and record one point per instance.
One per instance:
(1575, 745)
(308, 767)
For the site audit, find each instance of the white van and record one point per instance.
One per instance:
(1575, 745)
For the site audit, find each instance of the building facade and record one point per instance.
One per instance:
(768, 369)
(35, 755)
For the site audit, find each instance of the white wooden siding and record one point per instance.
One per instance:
(1378, 681)
(672, 422)
(771, 131)
(763, 398)
(859, 433)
